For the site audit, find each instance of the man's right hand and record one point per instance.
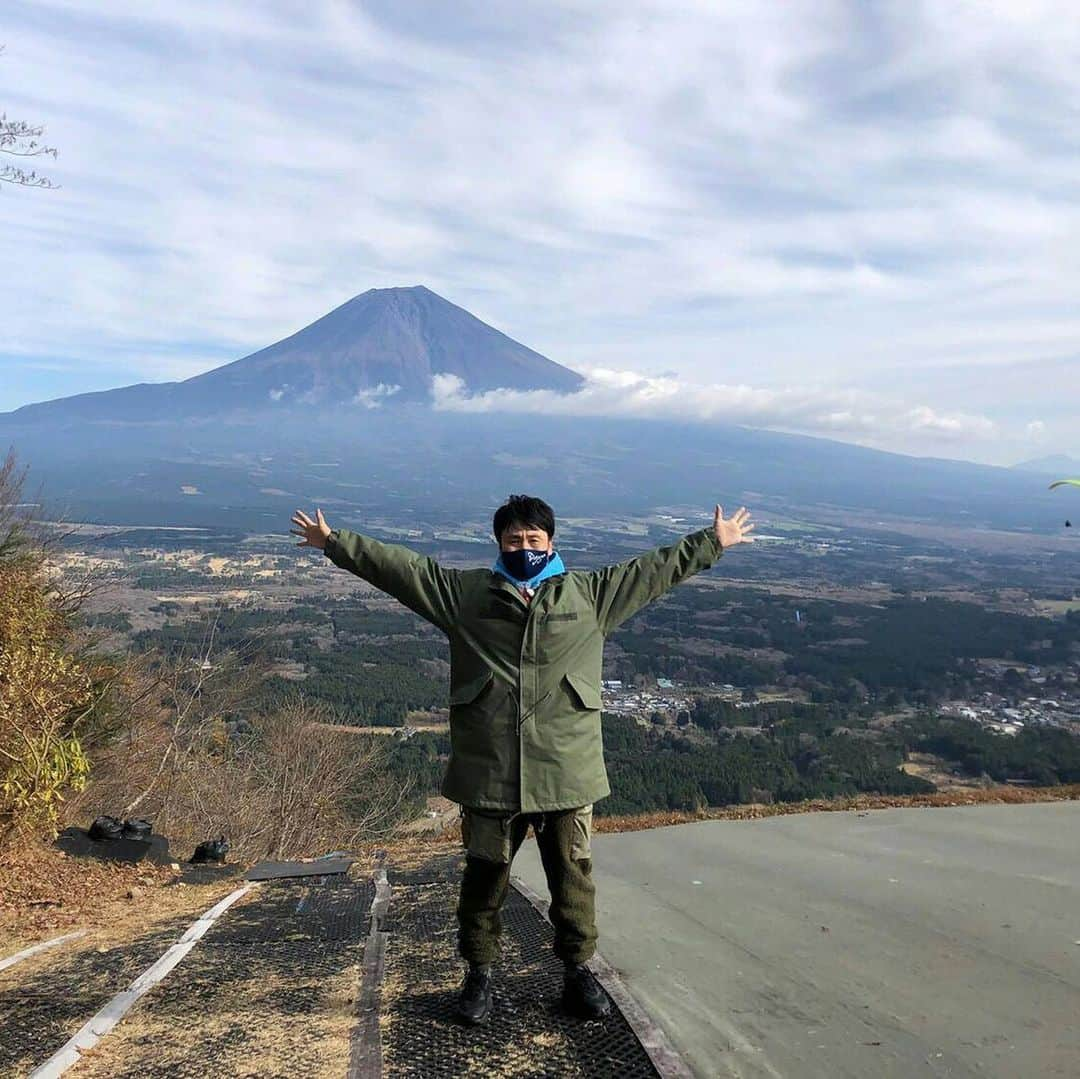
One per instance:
(314, 532)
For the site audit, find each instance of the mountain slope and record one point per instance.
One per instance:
(381, 346)
(245, 441)
(1057, 464)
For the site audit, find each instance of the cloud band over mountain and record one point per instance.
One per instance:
(872, 419)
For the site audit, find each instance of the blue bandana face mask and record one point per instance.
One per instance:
(525, 564)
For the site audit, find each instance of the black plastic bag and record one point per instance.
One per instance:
(139, 829)
(106, 828)
(212, 850)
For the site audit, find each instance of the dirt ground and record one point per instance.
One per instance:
(45, 893)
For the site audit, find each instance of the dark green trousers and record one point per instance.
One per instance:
(492, 840)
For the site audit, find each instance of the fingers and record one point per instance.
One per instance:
(738, 517)
(736, 529)
(305, 526)
(320, 519)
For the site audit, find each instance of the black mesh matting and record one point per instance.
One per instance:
(444, 869)
(330, 908)
(39, 1011)
(527, 1035)
(251, 998)
(257, 996)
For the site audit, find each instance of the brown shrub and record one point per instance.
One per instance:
(198, 760)
(174, 738)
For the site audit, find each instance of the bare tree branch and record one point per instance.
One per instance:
(20, 139)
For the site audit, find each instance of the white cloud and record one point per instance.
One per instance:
(871, 419)
(951, 425)
(374, 397)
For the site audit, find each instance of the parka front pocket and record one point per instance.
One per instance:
(470, 691)
(584, 693)
(484, 766)
(484, 724)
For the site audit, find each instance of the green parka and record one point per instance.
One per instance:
(524, 678)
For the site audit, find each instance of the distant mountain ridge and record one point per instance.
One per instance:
(382, 346)
(251, 440)
(1058, 464)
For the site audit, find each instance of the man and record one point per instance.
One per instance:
(526, 645)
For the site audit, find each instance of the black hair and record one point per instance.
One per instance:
(524, 510)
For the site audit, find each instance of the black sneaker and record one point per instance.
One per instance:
(474, 1001)
(582, 995)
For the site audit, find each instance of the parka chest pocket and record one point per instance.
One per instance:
(563, 621)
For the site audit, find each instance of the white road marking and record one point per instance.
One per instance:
(34, 949)
(97, 1027)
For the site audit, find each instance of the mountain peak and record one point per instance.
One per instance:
(394, 340)
(384, 345)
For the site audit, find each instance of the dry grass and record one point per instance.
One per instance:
(254, 1034)
(46, 894)
(414, 851)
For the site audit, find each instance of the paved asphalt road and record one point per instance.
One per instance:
(897, 942)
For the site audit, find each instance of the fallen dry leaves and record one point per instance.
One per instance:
(45, 893)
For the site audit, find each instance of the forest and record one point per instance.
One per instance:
(375, 665)
(802, 757)
(843, 663)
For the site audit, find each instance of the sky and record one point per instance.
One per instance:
(857, 220)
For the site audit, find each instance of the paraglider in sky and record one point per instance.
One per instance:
(1072, 483)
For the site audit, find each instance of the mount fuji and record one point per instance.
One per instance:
(382, 347)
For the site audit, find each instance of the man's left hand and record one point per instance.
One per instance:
(314, 532)
(736, 529)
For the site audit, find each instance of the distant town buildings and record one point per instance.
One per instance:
(995, 712)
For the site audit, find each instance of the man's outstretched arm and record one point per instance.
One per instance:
(415, 580)
(621, 591)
